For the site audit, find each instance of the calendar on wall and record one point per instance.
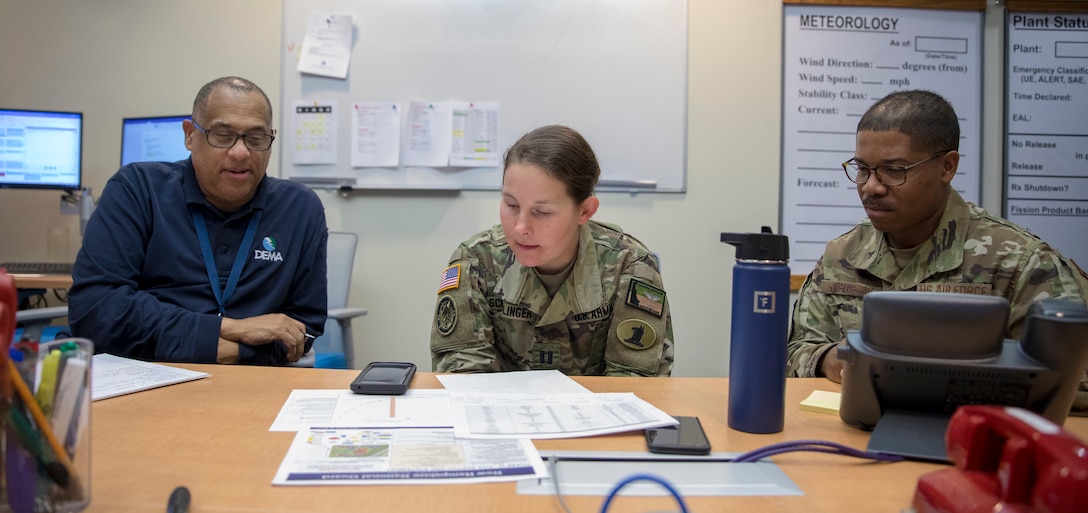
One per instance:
(313, 132)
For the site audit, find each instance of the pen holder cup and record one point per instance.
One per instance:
(46, 446)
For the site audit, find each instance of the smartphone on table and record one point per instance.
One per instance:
(687, 437)
(384, 378)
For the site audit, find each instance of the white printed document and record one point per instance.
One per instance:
(404, 456)
(326, 49)
(343, 408)
(112, 376)
(375, 134)
(475, 133)
(427, 139)
(552, 416)
(515, 382)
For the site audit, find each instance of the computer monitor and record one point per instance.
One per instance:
(153, 139)
(40, 149)
(921, 355)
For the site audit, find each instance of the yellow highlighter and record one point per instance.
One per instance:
(47, 388)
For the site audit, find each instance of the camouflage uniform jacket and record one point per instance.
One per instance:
(610, 316)
(972, 251)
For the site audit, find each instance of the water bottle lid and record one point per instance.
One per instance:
(759, 246)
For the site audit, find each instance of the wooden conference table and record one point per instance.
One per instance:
(42, 281)
(212, 436)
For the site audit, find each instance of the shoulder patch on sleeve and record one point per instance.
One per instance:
(445, 315)
(451, 278)
(636, 334)
(646, 297)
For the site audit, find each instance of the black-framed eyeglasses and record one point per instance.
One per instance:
(254, 141)
(888, 176)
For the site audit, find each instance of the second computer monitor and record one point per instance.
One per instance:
(153, 139)
(40, 149)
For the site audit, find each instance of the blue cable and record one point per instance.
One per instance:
(814, 446)
(644, 477)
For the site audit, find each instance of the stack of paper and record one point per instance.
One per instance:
(112, 376)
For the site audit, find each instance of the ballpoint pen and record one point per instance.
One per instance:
(178, 501)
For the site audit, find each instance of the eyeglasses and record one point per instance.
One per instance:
(227, 139)
(888, 176)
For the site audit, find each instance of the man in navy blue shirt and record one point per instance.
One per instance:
(206, 259)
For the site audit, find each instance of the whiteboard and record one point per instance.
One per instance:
(837, 62)
(1046, 139)
(615, 70)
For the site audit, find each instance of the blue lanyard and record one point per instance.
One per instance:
(222, 297)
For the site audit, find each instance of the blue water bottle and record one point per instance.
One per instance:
(757, 349)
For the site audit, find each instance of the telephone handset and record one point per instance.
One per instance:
(1006, 459)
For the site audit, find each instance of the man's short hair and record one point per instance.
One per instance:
(926, 117)
(237, 84)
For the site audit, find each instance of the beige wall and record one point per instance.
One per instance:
(114, 58)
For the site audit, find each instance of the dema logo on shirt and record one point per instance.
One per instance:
(269, 252)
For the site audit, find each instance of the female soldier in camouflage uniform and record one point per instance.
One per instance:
(549, 288)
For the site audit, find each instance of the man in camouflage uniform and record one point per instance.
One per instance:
(920, 235)
(609, 315)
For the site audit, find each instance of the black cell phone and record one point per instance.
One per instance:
(384, 378)
(687, 437)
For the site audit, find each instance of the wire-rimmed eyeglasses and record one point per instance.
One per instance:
(888, 176)
(255, 141)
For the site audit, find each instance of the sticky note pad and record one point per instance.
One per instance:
(822, 402)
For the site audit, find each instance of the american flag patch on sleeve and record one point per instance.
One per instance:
(451, 278)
